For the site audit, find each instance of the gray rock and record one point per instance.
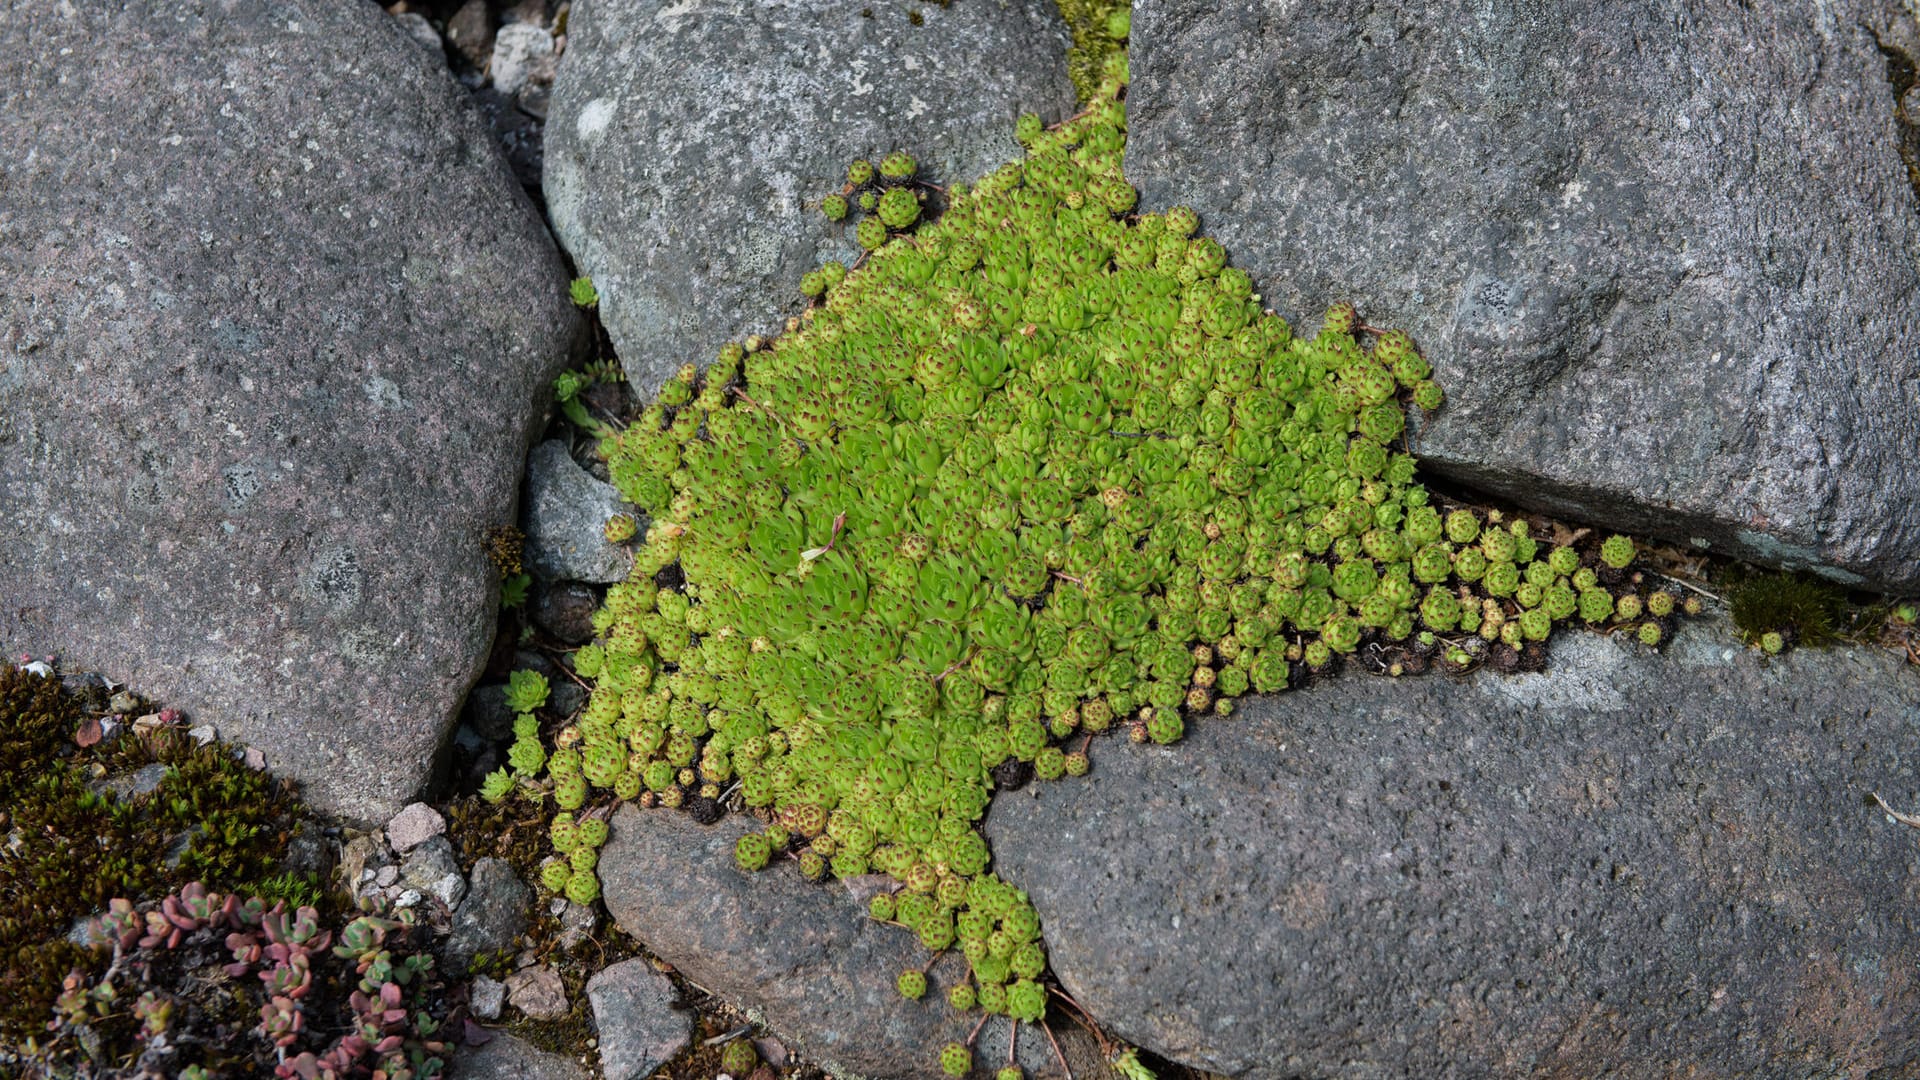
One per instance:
(272, 345)
(422, 32)
(490, 918)
(509, 1057)
(689, 148)
(413, 825)
(486, 997)
(640, 1026)
(566, 517)
(537, 992)
(1636, 864)
(566, 697)
(1663, 266)
(433, 870)
(803, 954)
(565, 610)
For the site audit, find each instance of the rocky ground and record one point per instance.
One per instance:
(276, 426)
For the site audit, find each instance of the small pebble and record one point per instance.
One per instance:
(487, 997)
(412, 825)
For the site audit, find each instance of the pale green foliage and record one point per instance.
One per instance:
(583, 293)
(526, 690)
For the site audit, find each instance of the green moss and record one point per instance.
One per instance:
(1803, 610)
(1088, 22)
(76, 844)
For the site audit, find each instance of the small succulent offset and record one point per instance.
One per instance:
(1037, 464)
(583, 293)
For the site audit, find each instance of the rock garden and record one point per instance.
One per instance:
(1031, 538)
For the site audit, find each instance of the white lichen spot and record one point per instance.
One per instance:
(1572, 193)
(856, 72)
(383, 392)
(673, 15)
(915, 108)
(593, 119)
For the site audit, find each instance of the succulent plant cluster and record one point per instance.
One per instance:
(1034, 469)
(331, 1005)
(209, 817)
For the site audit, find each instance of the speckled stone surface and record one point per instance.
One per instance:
(690, 142)
(507, 1057)
(1632, 865)
(803, 954)
(565, 518)
(1661, 257)
(275, 325)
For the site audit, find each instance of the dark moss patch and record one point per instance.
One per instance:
(1802, 609)
(75, 843)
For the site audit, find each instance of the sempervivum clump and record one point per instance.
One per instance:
(1034, 468)
(956, 1059)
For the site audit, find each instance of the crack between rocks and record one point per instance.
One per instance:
(1901, 76)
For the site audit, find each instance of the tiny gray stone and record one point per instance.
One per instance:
(1663, 267)
(640, 1026)
(405, 897)
(386, 876)
(537, 992)
(87, 933)
(809, 958)
(493, 914)
(488, 713)
(413, 825)
(144, 781)
(765, 103)
(578, 922)
(203, 734)
(566, 517)
(522, 53)
(1635, 864)
(486, 996)
(432, 869)
(567, 697)
(509, 1057)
